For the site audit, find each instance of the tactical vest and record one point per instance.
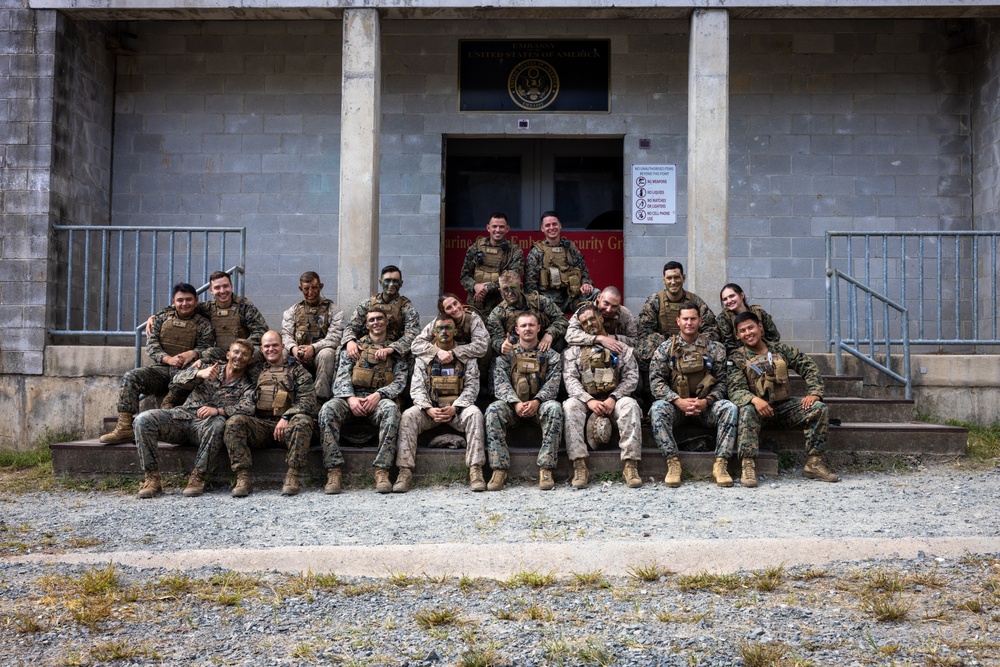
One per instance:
(394, 325)
(527, 374)
(556, 272)
(691, 375)
(489, 259)
(599, 372)
(463, 331)
(227, 323)
(311, 323)
(767, 375)
(177, 335)
(670, 311)
(532, 303)
(445, 382)
(275, 391)
(369, 372)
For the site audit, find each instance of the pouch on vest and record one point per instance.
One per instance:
(446, 389)
(177, 335)
(680, 385)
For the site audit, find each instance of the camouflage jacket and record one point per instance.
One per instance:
(250, 317)
(418, 385)
(741, 393)
(533, 266)
(727, 329)
(628, 369)
(649, 319)
(627, 325)
(504, 390)
(356, 330)
(301, 382)
(424, 348)
(344, 388)
(664, 363)
(205, 337)
(513, 260)
(238, 397)
(497, 321)
(333, 318)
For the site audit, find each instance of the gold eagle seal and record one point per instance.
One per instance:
(533, 84)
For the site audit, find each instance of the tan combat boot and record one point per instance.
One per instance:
(749, 478)
(404, 481)
(173, 398)
(497, 480)
(195, 486)
(244, 485)
(333, 482)
(291, 485)
(476, 481)
(631, 474)
(123, 430)
(545, 482)
(815, 468)
(580, 474)
(673, 478)
(151, 485)
(382, 483)
(720, 472)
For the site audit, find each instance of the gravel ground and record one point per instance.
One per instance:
(57, 608)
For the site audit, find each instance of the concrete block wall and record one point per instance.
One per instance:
(986, 126)
(233, 124)
(840, 125)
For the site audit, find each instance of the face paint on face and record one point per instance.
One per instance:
(391, 283)
(590, 324)
(311, 291)
(445, 331)
(673, 280)
(238, 358)
(376, 323)
(511, 294)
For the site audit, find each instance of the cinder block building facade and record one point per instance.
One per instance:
(328, 129)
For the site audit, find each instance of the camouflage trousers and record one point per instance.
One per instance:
(723, 415)
(324, 369)
(415, 421)
(177, 427)
(790, 413)
(336, 412)
(147, 380)
(244, 432)
(645, 348)
(627, 416)
(500, 417)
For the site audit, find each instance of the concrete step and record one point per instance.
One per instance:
(849, 409)
(915, 438)
(90, 459)
(834, 385)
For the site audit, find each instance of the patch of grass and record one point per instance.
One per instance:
(504, 613)
(32, 458)
(984, 441)
(558, 651)
(82, 542)
(592, 579)
(651, 571)
(432, 618)
(402, 579)
(809, 574)
(716, 583)
(594, 653)
(762, 654)
(884, 581)
(361, 589)
(481, 656)
(532, 579)
(536, 612)
(467, 584)
(109, 483)
(930, 579)
(767, 580)
(231, 588)
(974, 605)
(121, 649)
(451, 475)
(24, 624)
(886, 608)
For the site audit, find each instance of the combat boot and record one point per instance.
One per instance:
(404, 481)
(673, 478)
(476, 481)
(631, 474)
(151, 485)
(545, 482)
(720, 472)
(749, 478)
(291, 485)
(333, 482)
(382, 484)
(173, 398)
(497, 480)
(580, 474)
(815, 468)
(244, 485)
(195, 486)
(123, 430)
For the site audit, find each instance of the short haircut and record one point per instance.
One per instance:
(501, 215)
(673, 265)
(549, 214)
(219, 275)
(309, 276)
(588, 307)
(376, 308)
(689, 305)
(525, 313)
(444, 318)
(186, 288)
(509, 277)
(611, 290)
(744, 316)
(390, 268)
(244, 343)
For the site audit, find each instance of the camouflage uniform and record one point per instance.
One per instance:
(552, 320)
(468, 419)
(298, 407)
(328, 325)
(400, 331)
(623, 327)
(534, 265)
(651, 334)
(788, 412)
(500, 415)
(626, 412)
(663, 376)
(386, 417)
(727, 328)
(251, 326)
(471, 337)
(182, 426)
(510, 258)
(155, 379)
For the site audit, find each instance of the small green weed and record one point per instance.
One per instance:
(432, 618)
